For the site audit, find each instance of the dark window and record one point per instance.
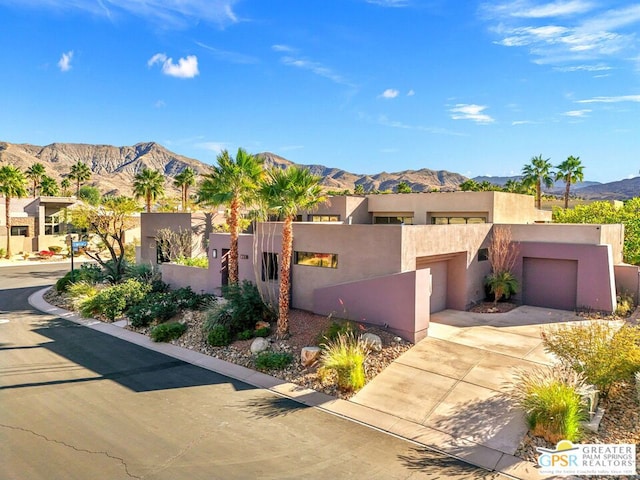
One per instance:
(393, 220)
(19, 230)
(313, 259)
(298, 218)
(483, 254)
(457, 220)
(269, 266)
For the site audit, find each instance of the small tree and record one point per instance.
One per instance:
(403, 187)
(174, 244)
(148, 184)
(12, 184)
(80, 172)
(502, 257)
(109, 222)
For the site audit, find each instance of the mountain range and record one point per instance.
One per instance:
(114, 168)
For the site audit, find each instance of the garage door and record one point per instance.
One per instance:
(438, 284)
(550, 283)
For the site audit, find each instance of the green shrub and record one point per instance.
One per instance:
(62, 284)
(114, 300)
(80, 292)
(200, 262)
(219, 336)
(625, 304)
(605, 356)
(502, 284)
(3, 252)
(336, 329)
(55, 249)
(217, 314)
(551, 398)
(273, 360)
(245, 335)
(166, 332)
(140, 271)
(154, 307)
(244, 307)
(262, 332)
(346, 356)
(185, 298)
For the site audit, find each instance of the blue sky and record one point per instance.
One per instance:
(473, 87)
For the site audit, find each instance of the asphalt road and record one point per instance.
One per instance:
(78, 404)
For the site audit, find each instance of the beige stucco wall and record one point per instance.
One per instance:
(179, 276)
(351, 209)
(497, 207)
(150, 223)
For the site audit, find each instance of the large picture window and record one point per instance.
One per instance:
(314, 259)
(393, 220)
(19, 230)
(457, 220)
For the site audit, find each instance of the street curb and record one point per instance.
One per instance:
(462, 449)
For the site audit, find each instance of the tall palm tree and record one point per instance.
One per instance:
(537, 173)
(65, 184)
(234, 183)
(571, 171)
(286, 192)
(148, 184)
(185, 179)
(49, 186)
(35, 173)
(12, 184)
(80, 172)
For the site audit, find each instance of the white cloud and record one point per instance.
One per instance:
(464, 111)
(622, 98)
(584, 68)
(168, 14)
(185, 68)
(411, 93)
(577, 113)
(233, 57)
(282, 48)
(316, 68)
(389, 93)
(215, 147)
(65, 61)
(522, 122)
(567, 32)
(160, 104)
(389, 3)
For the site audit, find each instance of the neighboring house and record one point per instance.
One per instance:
(393, 259)
(36, 223)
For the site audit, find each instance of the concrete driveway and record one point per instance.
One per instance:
(453, 382)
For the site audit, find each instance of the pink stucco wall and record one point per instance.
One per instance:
(596, 282)
(628, 280)
(399, 301)
(178, 276)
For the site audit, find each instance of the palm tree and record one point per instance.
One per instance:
(571, 171)
(80, 172)
(148, 184)
(470, 185)
(65, 184)
(185, 179)
(12, 184)
(286, 192)
(358, 189)
(49, 186)
(35, 173)
(537, 173)
(403, 187)
(233, 183)
(502, 284)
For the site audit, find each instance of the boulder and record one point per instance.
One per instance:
(259, 345)
(309, 355)
(373, 340)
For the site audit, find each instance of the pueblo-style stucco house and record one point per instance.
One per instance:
(36, 223)
(394, 259)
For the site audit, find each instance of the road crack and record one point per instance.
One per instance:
(73, 447)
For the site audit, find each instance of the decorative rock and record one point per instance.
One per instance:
(309, 355)
(374, 341)
(259, 345)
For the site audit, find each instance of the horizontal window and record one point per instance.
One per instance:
(19, 230)
(393, 220)
(483, 254)
(324, 218)
(313, 259)
(456, 220)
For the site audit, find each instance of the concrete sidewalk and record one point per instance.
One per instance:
(444, 393)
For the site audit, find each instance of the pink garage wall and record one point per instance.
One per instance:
(400, 301)
(628, 280)
(595, 283)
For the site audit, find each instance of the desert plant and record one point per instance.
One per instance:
(141, 271)
(502, 252)
(625, 304)
(501, 284)
(551, 398)
(262, 332)
(3, 252)
(55, 248)
(638, 385)
(596, 349)
(219, 336)
(245, 335)
(273, 360)
(166, 332)
(154, 307)
(334, 330)
(200, 262)
(114, 300)
(244, 307)
(346, 356)
(81, 291)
